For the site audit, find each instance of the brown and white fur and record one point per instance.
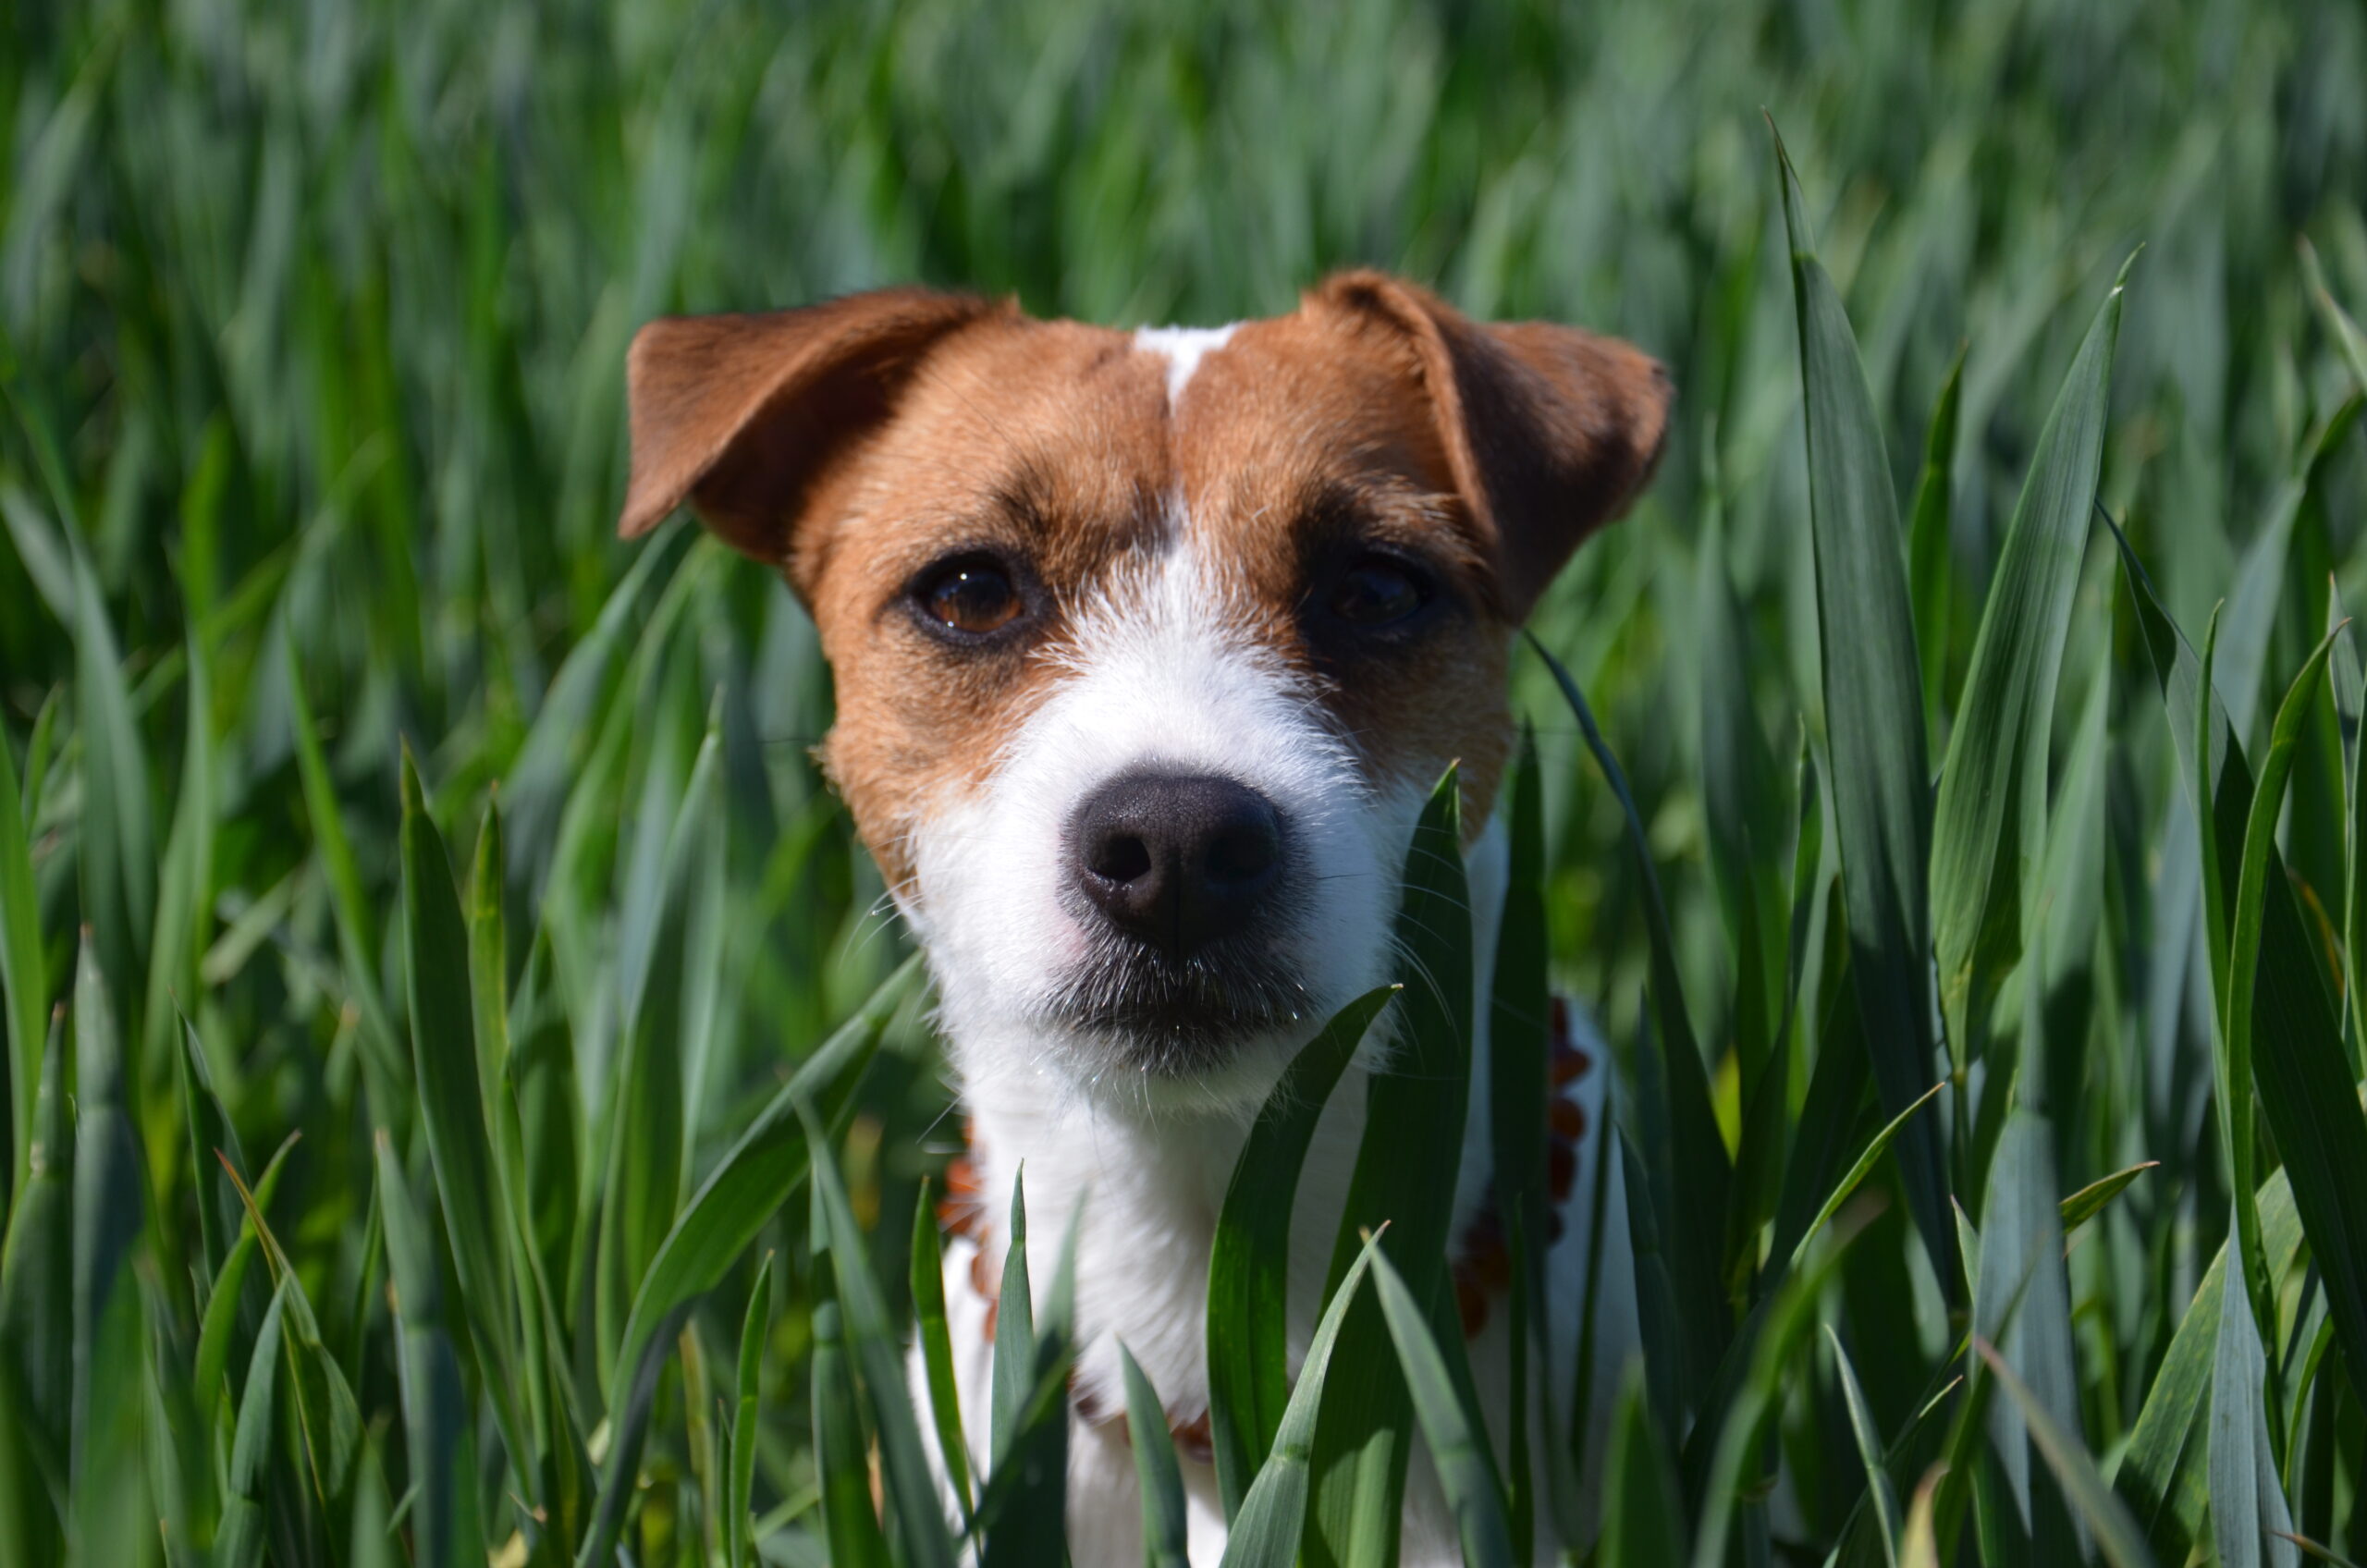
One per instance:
(1184, 549)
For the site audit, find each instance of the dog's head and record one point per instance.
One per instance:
(1148, 645)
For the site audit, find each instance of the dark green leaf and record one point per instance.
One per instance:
(1249, 1257)
(1873, 714)
(1266, 1531)
(1413, 1127)
(1156, 1472)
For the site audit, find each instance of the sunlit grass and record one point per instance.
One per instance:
(312, 323)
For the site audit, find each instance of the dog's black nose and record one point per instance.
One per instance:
(1176, 860)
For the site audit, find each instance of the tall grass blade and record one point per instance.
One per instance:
(357, 926)
(110, 1216)
(738, 1518)
(1457, 1448)
(1643, 1525)
(1156, 1471)
(1519, 1020)
(37, 1269)
(1930, 538)
(437, 1425)
(451, 1108)
(848, 1522)
(1268, 1530)
(1414, 1125)
(2163, 1473)
(2101, 1512)
(743, 1191)
(1991, 822)
(1870, 1453)
(647, 1135)
(2249, 1522)
(1249, 1256)
(23, 973)
(116, 848)
(1701, 1173)
(931, 1332)
(2022, 1306)
(877, 1353)
(1873, 714)
(2301, 1071)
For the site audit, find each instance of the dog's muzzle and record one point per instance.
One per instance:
(1182, 882)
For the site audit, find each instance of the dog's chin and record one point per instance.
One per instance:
(1194, 1029)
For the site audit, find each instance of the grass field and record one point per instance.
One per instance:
(424, 935)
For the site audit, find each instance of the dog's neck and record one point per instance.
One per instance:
(1144, 1190)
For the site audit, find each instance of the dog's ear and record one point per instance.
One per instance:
(1550, 431)
(746, 417)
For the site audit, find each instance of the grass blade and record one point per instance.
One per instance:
(1266, 1531)
(719, 1223)
(116, 845)
(1861, 1427)
(2244, 937)
(357, 926)
(1642, 1523)
(930, 1330)
(2076, 1473)
(1156, 1472)
(1990, 824)
(877, 1353)
(738, 1516)
(110, 1216)
(1701, 1172)
(37, 1268)
(1456, 1447)
(1413, 1127)
(1873, 714)
(239, 1541)
(451, 1108)
(24, 980)
(2161, 1474)
(2090, 1200)
(840, 1454)
(1519, 1020)
(1928, 539)
(2249, 1517)
(1249, 1256)
(2022, 1305)
(2347, 338)
(436, 1422)
(1014, 1364)
(2301, 1071)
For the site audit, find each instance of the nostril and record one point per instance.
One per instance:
(1243, 853)
(1120, 858)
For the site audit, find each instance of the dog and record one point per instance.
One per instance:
(1149, 646)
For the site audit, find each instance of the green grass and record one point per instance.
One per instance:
(432, 968)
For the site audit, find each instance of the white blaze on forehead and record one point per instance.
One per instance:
(1182, 348)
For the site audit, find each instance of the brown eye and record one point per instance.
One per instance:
(970, 597)
(1376, 591)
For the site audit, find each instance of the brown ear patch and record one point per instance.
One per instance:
(747, 416)
(1550, 431)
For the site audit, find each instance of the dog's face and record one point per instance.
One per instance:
(1149, 645)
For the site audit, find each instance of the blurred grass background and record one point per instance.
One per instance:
(314, 319)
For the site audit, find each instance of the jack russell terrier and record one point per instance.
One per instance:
(1149, 646)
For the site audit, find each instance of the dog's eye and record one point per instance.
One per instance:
(972, 597)
(1377, 592)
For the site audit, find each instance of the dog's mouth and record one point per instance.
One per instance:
(1173, 1017)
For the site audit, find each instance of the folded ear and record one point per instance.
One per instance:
(746, 417)
(1552, 432)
